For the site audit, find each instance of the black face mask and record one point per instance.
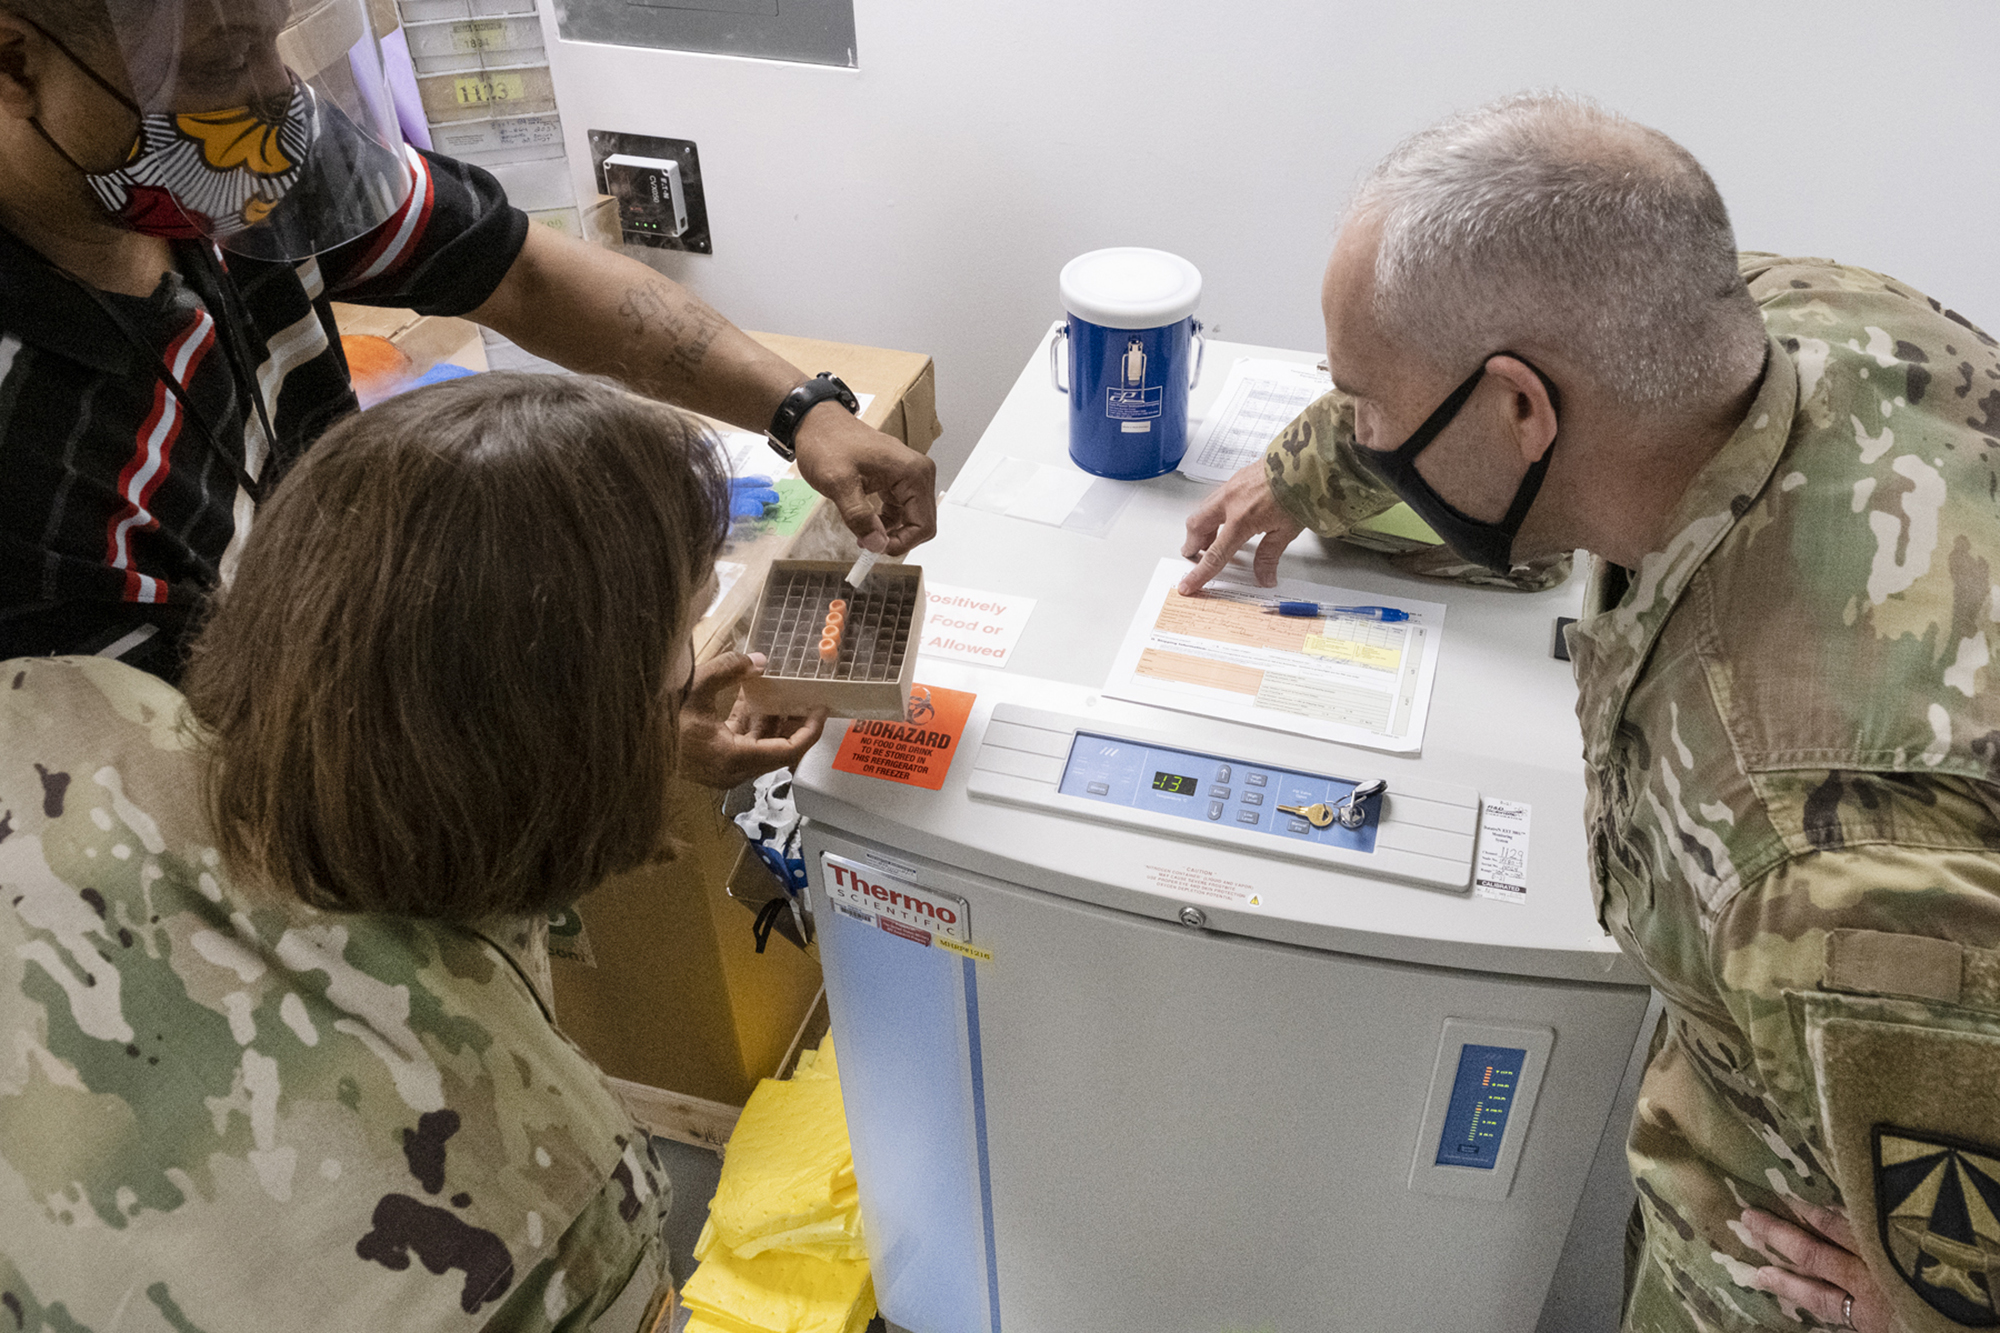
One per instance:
(1488, 544)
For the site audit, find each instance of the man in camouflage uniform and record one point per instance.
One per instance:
(1787, 703)
(220, 1109)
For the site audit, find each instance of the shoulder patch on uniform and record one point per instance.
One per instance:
(1912, 1127)
(1937, 1204)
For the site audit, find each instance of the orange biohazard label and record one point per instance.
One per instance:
(917, 752)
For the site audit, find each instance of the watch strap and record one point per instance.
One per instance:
(804, 397)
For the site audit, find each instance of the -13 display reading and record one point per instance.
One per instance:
(1174, 783)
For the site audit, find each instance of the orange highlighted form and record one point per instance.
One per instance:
(1346, 678)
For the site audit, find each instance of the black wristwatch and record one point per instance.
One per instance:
(784, 430)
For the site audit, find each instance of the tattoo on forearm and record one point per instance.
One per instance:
(688, 325)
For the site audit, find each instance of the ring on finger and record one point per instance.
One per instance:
(1847, 1310)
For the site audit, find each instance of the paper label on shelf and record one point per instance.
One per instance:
(490, 89)
(898, 907)
(470, 138)
(917, 752)
(972, 625)
(477, 35)
(1500, 869)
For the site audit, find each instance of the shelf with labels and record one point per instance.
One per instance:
(500, 138)
(516, 90)
(420, 11)
(464, 46)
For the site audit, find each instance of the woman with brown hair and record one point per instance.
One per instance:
(271, 1044)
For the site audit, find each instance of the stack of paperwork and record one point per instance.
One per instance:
(782, 1250)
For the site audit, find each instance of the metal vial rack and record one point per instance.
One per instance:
(872, 643)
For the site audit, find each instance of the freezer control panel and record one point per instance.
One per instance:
(1218, 790)
(1283, 807)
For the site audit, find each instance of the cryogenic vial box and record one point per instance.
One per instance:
(870, 673)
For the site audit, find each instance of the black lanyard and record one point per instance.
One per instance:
(228, 333)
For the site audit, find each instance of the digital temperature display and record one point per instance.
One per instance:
(1174, 784)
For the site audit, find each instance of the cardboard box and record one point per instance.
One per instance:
(904, 383)
(676, 1004)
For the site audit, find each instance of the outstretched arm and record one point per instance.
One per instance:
(598, 312)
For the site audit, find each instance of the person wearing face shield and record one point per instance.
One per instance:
(185, 185)
(1544, 340)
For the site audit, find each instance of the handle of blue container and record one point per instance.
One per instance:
(1055, 371)
(1200, 351)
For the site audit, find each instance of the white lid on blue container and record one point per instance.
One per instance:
(1130, 287)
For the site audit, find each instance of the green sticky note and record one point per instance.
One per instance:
(1400, 521)
(795, 501)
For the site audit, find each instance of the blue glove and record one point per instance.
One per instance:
(751, 497)
(441, 372)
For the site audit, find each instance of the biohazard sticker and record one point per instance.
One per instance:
(916, 753)
(929, 917)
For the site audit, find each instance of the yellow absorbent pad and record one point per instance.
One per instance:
(788, 1168)
(782, 1250)
(864, 1311)
(780, 1293)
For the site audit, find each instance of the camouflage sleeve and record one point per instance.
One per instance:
(1868, 980)
(608, 1271)
(1315, 475)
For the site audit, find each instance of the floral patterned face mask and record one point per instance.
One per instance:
(209, 173)
(202, 173)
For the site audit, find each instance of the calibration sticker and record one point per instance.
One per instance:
(1500, 869)
(924, 916)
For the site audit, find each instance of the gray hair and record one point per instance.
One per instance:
(1543, 219)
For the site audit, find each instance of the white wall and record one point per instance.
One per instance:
(927, 199)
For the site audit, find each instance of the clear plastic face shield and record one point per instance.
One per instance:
(264, 125)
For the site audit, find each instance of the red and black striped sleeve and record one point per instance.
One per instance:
(443, 252)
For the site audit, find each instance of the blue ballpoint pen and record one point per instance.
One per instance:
(1385, 613)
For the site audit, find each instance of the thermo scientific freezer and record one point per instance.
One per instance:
(1118, 1059)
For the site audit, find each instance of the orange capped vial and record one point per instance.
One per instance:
(829, 638)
